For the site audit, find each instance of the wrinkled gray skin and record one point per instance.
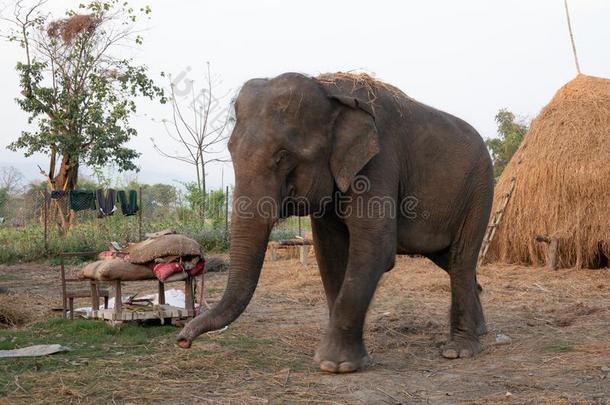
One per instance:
(297, 137)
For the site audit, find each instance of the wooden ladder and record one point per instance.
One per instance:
(495, 221)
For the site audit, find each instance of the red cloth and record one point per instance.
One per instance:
(165, 270)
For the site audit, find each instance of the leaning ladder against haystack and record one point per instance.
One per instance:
(495, 221)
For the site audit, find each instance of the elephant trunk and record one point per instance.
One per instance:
(249, 238)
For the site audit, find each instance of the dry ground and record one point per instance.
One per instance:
(559, 323)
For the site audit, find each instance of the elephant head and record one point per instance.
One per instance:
(296, 141)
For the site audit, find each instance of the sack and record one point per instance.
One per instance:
(116, 269)
(165, 245)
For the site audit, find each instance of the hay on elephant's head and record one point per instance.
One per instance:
(562, 175)
(360, 82)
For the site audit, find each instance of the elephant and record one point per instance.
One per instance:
(379, 174)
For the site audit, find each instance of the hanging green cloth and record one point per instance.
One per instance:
(81, 200)
(129, 204)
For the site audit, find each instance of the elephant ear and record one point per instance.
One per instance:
(355, 140)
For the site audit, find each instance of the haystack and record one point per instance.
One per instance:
(15, 310)
(562, 182)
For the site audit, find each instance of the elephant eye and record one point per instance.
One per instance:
(281, 156)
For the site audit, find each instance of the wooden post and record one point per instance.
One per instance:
(553, 262)
(273, 246)
(304, 254)
(117, 300)
(140, 214)
(300, 233)
(552, 256)
(188, 297)
(46, 220)
(95, 299)
(161, 291)
(63, 285)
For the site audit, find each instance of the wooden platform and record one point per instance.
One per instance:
(303, 246)
(163, 311)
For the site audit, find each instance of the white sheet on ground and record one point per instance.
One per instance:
(34, 351)
(173, 297)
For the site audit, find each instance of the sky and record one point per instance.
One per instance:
(469, 58)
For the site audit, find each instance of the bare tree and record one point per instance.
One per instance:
(200, 129)
(11, 180)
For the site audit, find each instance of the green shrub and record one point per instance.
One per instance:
(26, 244)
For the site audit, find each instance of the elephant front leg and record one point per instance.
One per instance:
(331, 243)
(371, 253)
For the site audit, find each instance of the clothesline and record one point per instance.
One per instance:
(101, 200)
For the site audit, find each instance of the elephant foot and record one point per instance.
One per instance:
(461, 347)
(481, 328)
(342, 360)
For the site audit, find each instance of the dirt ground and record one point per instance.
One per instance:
(558, 324)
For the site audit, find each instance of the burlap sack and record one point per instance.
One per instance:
(116, 269)
(166, 245)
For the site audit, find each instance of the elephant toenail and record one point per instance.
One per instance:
(328, 366)
(347, 367)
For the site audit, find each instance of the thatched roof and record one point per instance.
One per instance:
(562, 181)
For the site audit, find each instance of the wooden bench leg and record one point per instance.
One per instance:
(161, 291)
(117, 300)
(105, 302)
(188, 297)
(95, 299)
(71, 300)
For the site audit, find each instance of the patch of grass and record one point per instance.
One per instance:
(257, 353)
(560, 347)
(88, 340)
(83, 336)
(8, 277)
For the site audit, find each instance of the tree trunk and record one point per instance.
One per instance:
(66, 180)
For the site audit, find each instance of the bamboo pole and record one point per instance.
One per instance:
(565, 3)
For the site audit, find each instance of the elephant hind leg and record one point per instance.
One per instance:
(443, 260)
(467, 319)
(466, 314)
